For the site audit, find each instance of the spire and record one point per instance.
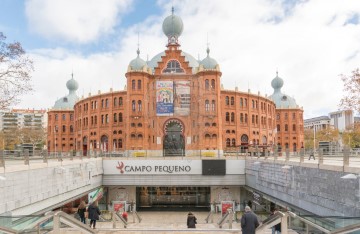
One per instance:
(277, 72)
(172, 10)
(138, 45)
(207, 44)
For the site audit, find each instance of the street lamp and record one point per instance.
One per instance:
(314, 138)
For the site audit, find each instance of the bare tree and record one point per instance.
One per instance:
(351, 100)
(15, 69)
(32, 135)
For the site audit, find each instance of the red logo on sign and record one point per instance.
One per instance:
(120, 167)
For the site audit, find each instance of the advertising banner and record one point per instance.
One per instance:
(182, 98)
(225, 205)
(164, 98)
(96, 195)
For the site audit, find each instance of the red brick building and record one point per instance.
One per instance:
(174, 105)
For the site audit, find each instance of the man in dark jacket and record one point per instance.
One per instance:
(94, 213)
(249, 221)
(191, 220)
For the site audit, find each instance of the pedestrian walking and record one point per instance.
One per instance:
(249, 221)
(81, 211)
(191, 220)
(94, 213)
(312, 155)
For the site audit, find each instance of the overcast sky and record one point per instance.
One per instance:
(309, 42)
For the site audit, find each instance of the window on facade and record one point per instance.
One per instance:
(133, 84)
(256, 104)
(71, 128)
(241, 102)
(214, 124)
(95, 119)
(227, 100)
(173, 66)
(286, 128)
(107, 118)
(139, 106)
(120, 144)
(233, 142)
(56, 117)
(207, 136)
(115, 117)
(133, 105)
(286, 115)
(107, 103)
(294, 128)
(207, 85)
(102, 103)
(207, 124)
(71, 117)
(139, 84)
(246, 118)
(227, 131)
(96, 105)
(212, 84)
(120, 117)
(213, 105)
(139, 125)
(227, 117)
(102, 119)
(232, 101)
(115, 101)
(241, 117)
(120, 101)
(63, 116)
(293, 116)
(63, 128)
(232, 119)
(228, 142)
(256, 119)
(133, 125)
(278, 128)
(252, 119)
(245, 102)
(278, 116)
(207, 105)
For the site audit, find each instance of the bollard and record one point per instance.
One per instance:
(231, 218)
(321, 156)
(287, 153)
(26, 157)
(346, 159)
(302, 155)
(45, 157)
(2, 161)
(276, 152)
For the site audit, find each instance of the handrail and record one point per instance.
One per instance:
(47, 216)
(271, 221)
(8, 230)
(347, 229)
(309, 222)
(222, 220)
(137, 216)
(62, 217)
(121, 218)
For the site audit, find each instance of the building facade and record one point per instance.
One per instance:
(174, 105)
(342, 119)
(317, 123)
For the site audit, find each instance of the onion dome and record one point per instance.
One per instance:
(281, 100)
(138, 63)
(67, 102)
(173, 27)
(208, 62)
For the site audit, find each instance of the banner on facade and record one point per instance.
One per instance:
(164, 98)
(182, 98)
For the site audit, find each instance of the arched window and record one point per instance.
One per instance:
(107, 103)
(246, 118)
(120, 101)
(207, 136)
(102, 103)
(286, 128)
(227, 117)
(278, 127)
(241, 117)
(139, 106)
(207, 105)
(173, 66)
(140, 136)
(252, 119)
(253, 104)
(139, 84)
(115, 101)
(212, 84)
(233, 142)
(232, 117)
(245, 102)
(228, 142)
(120, 117)
(294, 128)
(207, 124)
(115, 117)
(133, 105)
(294, 147)
(232, 101)
(256, 119)
(63, 128)
(227, 131)
(133, 84)
(207, 85)
(71, 128)
(120, 143)
(227, 100)
(107, 118)
(213, 105)
(139, 125)
(241, 102)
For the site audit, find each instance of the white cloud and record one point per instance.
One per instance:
(78, 21)
(309, 44)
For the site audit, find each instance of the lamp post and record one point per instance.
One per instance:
(314, 138)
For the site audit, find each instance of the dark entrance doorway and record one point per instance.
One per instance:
(174, 143)
(173, 198)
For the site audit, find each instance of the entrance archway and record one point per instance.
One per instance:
(85, 146)
(174, 143)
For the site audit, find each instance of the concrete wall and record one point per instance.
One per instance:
(38, 187)
(318, 190)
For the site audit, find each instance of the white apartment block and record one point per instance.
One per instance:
(342, 120)
(18, 118)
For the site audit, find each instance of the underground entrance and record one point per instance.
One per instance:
(173, 198)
